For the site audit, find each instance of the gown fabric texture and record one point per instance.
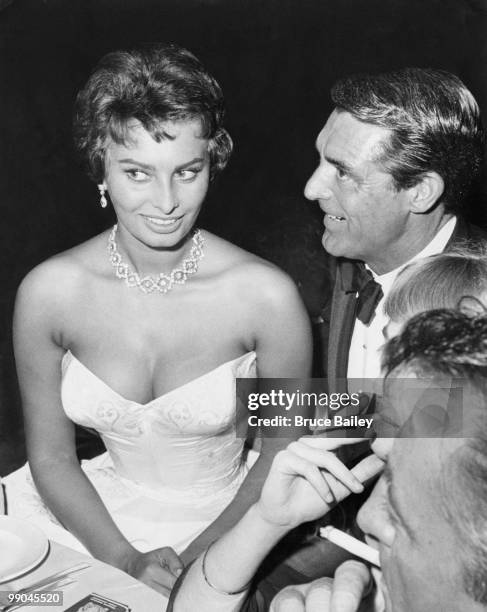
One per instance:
(171, 466)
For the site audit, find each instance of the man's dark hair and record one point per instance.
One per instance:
(154, 85)
(434, 122)
(443, 341)
(449, 343)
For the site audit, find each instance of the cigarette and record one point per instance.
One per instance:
(356, 547)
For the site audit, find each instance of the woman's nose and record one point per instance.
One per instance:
(164, 198)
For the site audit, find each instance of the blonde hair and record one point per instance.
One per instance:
(439, 281)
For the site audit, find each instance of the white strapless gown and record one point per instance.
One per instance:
(172, 465)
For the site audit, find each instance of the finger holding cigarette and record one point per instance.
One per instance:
(354, 546)
(328, 461)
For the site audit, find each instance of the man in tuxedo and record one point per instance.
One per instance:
(397, 159)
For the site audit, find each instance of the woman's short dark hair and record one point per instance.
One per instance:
(154, 85)
(434, 122)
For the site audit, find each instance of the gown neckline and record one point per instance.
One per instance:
(69, 355)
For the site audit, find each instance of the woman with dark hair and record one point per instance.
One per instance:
(140, 333)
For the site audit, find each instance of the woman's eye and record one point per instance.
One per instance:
(189, 174)
(137, 175)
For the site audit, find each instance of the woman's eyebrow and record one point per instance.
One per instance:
(196, 160)
(129, 160)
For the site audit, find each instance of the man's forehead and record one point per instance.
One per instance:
(344, 135)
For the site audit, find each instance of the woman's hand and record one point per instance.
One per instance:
(157, 568)
(306, 479)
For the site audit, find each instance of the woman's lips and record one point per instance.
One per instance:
(162, 222)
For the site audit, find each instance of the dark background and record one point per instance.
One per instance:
(275, 60)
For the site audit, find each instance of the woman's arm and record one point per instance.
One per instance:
(297, 490)
(282, 337)
(39, 333)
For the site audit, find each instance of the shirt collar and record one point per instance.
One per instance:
(436, 245)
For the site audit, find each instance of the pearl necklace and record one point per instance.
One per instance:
(163, 282)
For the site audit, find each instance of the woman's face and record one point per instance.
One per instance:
(157, 188)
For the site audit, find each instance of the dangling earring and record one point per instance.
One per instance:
(103, 201)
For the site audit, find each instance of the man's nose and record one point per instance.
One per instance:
(382, 446)
(365, 517)
(372, 517)
(317, 187)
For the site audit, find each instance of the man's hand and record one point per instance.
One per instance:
(343, 594)
(158, 568)
(310, 597)
(306, 480)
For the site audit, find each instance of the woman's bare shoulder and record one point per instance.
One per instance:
(246, 272)
(56, 278)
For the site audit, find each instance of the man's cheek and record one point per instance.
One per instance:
(395, 577)
(392, 590)
(403, 578)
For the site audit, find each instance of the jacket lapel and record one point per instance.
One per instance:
(342, 320)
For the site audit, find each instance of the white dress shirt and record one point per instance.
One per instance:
(367, 340)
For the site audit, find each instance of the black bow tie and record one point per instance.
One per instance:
(357, 279)
(368, 297)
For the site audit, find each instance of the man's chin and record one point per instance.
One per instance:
(333, 246)
(329, 244)
(336, 246)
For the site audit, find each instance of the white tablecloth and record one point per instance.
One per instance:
(99, 578)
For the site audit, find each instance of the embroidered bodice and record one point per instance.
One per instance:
(182, 439)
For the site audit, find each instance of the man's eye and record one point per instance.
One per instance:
(137, 175)
(342, 174)
(188, 174)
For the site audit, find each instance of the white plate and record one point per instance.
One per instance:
(23, 546)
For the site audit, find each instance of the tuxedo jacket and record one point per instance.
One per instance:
(339, 315)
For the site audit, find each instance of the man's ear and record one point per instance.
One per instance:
(426, 193)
